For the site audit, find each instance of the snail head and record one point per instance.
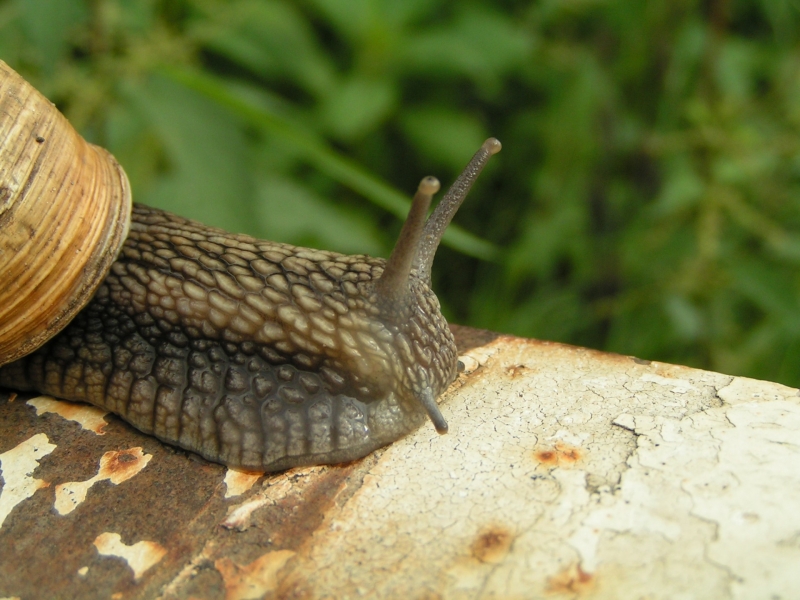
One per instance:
(410, 327)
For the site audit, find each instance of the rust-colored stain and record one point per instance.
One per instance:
(492, 544)
(237, 481)
(255, 579)
(572, 580)
(121, 465)
(515, 371)
(559, 456)
(116, 466)
(548, 457)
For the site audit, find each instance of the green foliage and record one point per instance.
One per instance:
(647, 200)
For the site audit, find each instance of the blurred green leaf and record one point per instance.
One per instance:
(738, 62)
(357, 106)
(768, 289)
(448, 137)
(207, 176)
(292, 213)
(682, 187)
(270, 38)
(356, 18)
(481, 44)
(351, 18)
(49, 25)
(687, 321)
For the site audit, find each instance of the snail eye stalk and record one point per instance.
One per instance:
(446, 209)
(393, 285)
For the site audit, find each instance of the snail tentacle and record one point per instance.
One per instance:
(434, 414)
(393, 285)
(446, 209)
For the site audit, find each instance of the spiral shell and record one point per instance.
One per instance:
(65, 209)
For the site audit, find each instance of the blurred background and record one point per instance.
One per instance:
(646, 202)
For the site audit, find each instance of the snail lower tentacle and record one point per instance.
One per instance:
(255, 354)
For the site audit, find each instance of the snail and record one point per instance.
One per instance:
(254, 354)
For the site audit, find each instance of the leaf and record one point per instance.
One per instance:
(271, 39)
(445, 136)
(291, 212)
(480, 44)
(682, 188)
(357, 106)
(48, 24)
(208, 178)
(687, 321)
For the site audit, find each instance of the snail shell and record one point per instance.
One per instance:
(64, 213)
(259, 354)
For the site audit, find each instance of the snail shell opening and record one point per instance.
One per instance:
(65, 209)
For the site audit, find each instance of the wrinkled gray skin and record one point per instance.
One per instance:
(251, 353)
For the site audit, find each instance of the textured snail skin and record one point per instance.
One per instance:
(254, 354)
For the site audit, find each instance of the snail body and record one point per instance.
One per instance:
(258, 354)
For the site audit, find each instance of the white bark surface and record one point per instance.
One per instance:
(578, 473)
